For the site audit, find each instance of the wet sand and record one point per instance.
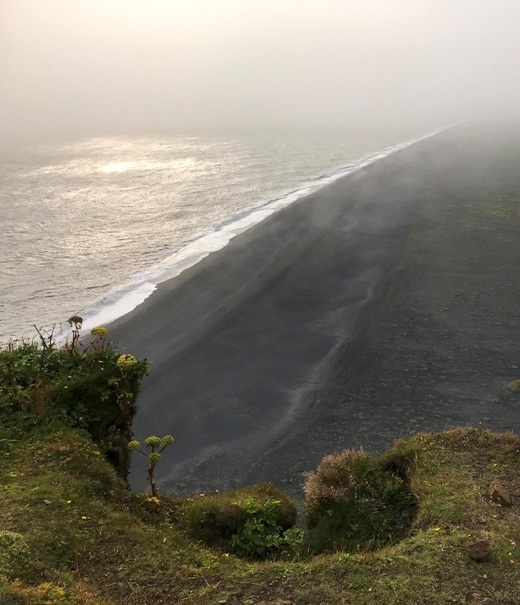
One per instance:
(383, 304)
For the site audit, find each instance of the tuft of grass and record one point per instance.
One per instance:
(356, 503)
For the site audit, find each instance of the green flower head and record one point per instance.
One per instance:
(152, 441)
(133, 445)
(166, 440)
(154, 457)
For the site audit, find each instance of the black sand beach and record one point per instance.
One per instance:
(384, 304)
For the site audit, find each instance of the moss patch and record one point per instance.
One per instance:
(514, 386)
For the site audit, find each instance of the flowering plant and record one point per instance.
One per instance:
(125, 362)
(99, 331)
(154, 443)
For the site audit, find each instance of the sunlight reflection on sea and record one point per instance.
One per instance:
(84, 223)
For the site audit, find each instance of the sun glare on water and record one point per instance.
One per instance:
(180, 164)
(118, 167)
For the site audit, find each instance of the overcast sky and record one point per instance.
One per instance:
(114, 66)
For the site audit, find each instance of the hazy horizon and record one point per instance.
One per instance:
(70, 68)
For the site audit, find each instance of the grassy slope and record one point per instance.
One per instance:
(103, 549)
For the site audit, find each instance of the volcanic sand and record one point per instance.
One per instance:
(383, 304)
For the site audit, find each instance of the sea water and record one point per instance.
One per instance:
(89, 227)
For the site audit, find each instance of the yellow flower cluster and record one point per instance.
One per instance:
(126, 361)
(98, 331)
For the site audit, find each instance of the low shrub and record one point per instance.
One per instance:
(357, 503)
(251, 521)
(86, 387)
(261, 533)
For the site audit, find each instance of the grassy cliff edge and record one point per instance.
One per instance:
(433, 520)
(73, 533)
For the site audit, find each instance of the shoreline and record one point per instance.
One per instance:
(348, 319)
(133, 293)
(128, 293)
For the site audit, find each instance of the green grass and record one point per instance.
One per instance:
(396, 529)
(107, 546)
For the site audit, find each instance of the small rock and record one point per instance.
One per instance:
(498, 493)
(47, 502)
(479, 551)
(514, 386)
(487, 601)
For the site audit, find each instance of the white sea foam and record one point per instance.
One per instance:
(123, 299)
(117, 305)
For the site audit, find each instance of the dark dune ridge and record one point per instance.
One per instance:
(383, 304)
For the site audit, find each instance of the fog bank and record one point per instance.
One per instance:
(70, 67)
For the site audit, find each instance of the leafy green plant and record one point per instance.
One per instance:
(215, 518)
(157, 445)
(262, 533)
(293, 538)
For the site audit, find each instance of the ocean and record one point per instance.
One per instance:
(90, 227)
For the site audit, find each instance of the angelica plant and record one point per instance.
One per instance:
(157, 445)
